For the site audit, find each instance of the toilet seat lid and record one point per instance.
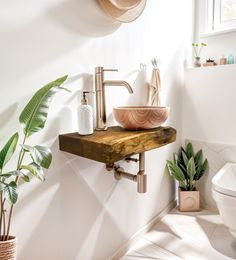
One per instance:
(225, 180)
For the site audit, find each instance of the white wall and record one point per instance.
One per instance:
(81, 212)
(209, 104)
(218, 44)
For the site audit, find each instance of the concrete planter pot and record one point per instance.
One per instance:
(8, 249)
(189, 201)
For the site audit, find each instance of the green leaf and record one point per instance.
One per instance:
(15, 173)
(205, 165)
(191, 172)
(189, 150)
(8, 150)
(25, 178)
(198, 158)
(35, 170)
(175, 171)
(184, 170)
(180, 158)
(202, 170)
(10, 174)
(185, 159)
(11, 192)
(34, 115)
(2, 186)
(40, 155)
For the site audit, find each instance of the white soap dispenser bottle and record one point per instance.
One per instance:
(85, 117)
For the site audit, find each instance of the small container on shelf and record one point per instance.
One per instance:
(85, 117)
(231, 59)
(209, 62)
(223, 60)
(197, 62)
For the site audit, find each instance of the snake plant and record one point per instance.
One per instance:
(187, 167)
(32, 119)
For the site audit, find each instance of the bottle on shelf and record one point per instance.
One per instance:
(231, 59)
(85, 116)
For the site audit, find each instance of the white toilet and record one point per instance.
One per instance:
(224, 193)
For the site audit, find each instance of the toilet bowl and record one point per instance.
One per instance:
(224, 193)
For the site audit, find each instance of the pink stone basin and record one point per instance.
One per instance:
(141, 117)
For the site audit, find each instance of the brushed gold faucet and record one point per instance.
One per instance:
(100, 84)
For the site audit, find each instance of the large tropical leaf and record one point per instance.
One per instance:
(11, 192)
(40, 155)
(35, 170)
(34, 115)
(8, 150)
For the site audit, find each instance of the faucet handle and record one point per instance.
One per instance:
(101, 70)
(110, 70)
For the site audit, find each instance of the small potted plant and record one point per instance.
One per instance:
(187, 168)
(197, 48)
(32, 160)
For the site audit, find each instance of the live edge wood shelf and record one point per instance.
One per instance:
(116, 143)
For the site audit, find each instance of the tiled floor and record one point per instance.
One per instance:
(191, 236)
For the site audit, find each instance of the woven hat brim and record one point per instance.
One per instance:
(125, 4)
(124, 16)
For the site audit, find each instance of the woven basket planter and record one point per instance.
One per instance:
(8, 249)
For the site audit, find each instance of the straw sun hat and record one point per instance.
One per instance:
(124, 11)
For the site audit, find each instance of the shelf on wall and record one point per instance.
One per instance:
(226, 66)
(116, 143)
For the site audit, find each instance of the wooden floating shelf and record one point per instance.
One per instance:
(116, 143)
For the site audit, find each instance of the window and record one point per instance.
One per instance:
(221, 15)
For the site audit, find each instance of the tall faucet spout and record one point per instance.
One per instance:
(119, 83)
(100, 84)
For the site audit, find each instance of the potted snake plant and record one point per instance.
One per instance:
(187, 168)
(32, 119)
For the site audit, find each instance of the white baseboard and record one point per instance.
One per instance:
(139, 234)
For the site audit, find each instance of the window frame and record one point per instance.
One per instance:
(219, 25)
(209, 19)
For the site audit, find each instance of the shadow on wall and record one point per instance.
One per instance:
(58, 31)
(84, 17)
(140, 88)
(73, 215)
(62, 122)
(4, 115)
(78, 83)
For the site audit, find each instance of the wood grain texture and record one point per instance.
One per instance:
(116, 143)
(141, 117)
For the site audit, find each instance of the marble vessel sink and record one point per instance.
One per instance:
(141, 117)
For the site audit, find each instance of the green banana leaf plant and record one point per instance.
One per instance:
(32, 119)
(187, 167)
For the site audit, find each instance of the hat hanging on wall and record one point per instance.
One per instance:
(124, 11)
